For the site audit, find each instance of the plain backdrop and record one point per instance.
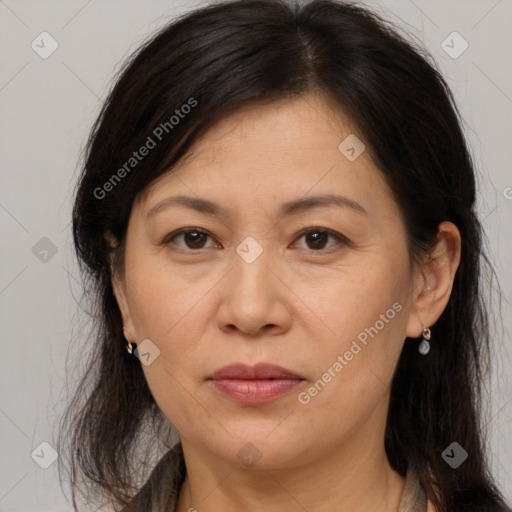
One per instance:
(47, 108)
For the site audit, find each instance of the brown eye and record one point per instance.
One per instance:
(317, 239)
(193, 238)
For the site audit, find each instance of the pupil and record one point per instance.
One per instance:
(316, 238)
(194, 235)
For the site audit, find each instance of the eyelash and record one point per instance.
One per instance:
(329, 232)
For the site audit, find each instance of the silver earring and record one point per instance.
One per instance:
(424, 347)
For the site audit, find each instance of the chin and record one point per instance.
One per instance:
(262, 451)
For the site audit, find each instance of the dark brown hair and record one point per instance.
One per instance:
(222, 57)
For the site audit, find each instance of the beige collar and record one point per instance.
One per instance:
(413, 497)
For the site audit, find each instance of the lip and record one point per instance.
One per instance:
(254, 384)
(258, 372)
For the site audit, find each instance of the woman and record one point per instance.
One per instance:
(277, 214)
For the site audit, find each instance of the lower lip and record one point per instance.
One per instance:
(255, 391)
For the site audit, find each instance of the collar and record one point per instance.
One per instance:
(161, 491)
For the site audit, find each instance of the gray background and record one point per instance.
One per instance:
(47, 108)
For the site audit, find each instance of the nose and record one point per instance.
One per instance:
(255, 299)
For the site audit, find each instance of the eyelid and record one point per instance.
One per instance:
(333, 234)
(183, 231)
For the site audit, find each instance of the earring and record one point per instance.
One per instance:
(424, 347)
(130, 346)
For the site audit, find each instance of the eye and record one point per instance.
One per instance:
(193, 238)
(317, 238)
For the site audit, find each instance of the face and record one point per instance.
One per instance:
(277, 274)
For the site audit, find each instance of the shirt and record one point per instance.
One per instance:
(161, 491)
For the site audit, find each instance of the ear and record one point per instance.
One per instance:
(434, 280)
(119, 289)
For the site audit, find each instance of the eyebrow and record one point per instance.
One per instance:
(289, 208)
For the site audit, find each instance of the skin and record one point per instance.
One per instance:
(296, 306)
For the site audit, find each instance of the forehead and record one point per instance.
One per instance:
(290, 128)
(283, 149)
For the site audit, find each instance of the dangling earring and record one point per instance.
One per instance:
(424, 347)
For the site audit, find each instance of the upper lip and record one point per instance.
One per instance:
(258, 372)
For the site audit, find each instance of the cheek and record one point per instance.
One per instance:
(163, 299)
(169, 308)
(360, 330)
(341, 304)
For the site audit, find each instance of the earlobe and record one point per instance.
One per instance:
(120, 295)
(435, 280)
(111, 239)
(118, 287)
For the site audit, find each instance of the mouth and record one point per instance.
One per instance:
(258, 384)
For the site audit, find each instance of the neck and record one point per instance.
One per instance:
(352, 476)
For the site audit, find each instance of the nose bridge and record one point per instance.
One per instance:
(252, 261)
(252, 299)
